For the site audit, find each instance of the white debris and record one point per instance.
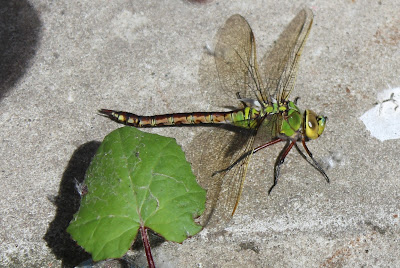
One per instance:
(332, 160)
(383, 120)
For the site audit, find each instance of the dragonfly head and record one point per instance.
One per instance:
(314, 124)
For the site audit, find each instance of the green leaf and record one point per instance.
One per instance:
(136, 179)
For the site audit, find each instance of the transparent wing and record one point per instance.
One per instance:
(281, 63)
(236, 65)
(225, 147)
(235, 58)
(216, 148)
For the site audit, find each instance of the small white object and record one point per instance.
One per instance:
(383, 120)
(209, 49)
(250, 102)
(332, 160)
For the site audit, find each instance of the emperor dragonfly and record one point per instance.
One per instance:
(266, 113)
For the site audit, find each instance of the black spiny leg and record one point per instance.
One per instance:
(279, 162)
(316, 164)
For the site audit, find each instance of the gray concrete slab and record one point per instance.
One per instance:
(70, 58)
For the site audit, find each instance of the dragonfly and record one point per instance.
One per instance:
(264, 115)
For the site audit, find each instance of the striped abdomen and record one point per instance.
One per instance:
(242, 118)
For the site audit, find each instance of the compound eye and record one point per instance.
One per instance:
(311, 125)
(321, 124)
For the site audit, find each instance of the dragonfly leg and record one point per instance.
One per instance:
(279, 162)
(266, 145)
(243, 156)
(315, 163)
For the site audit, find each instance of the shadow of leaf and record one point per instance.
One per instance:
(67, 202)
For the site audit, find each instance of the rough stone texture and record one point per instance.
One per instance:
(63, 60)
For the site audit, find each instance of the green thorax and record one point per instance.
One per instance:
(288, 122)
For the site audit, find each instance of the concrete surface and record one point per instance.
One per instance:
(63, 60)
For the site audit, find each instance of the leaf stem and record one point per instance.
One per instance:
(146, 244)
